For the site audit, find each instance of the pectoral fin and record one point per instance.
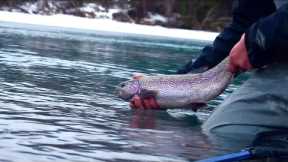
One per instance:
(196, 106)
(148, 93)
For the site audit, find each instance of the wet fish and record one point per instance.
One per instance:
(176, 91)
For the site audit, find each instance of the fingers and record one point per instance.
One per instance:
(136, 102)
(232, 66)
(149, 103)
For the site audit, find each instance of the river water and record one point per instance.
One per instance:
(57, 100)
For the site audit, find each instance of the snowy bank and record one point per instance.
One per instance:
(104, 25)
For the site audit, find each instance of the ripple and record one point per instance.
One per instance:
(57, 99)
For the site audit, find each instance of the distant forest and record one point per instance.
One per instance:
(189, 14)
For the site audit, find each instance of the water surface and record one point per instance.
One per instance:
(57, 99)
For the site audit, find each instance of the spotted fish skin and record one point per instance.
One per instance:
(174, 91)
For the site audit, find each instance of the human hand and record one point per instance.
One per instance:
(238, 57)
(147, 103)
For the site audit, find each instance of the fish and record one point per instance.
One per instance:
(178, 91)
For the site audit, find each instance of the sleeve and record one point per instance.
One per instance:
(245, 13)
(267, 39)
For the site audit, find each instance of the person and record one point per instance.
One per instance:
(256, 39)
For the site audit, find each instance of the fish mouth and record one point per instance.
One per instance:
(123, 95)
(127, 98)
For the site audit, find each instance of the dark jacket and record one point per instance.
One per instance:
(267, 39)
(266, 35)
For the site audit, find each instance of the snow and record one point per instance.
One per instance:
(104, 25)
(30, 8)
(156, 17)
(99, 11)
(91, 7)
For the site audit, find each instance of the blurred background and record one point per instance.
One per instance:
(207, 15)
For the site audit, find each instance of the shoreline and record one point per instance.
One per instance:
(104, 25)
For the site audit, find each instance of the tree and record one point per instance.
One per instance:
(42, 4)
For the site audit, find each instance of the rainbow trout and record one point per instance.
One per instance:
(176, 91)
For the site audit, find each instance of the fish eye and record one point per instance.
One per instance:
(122, 85)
